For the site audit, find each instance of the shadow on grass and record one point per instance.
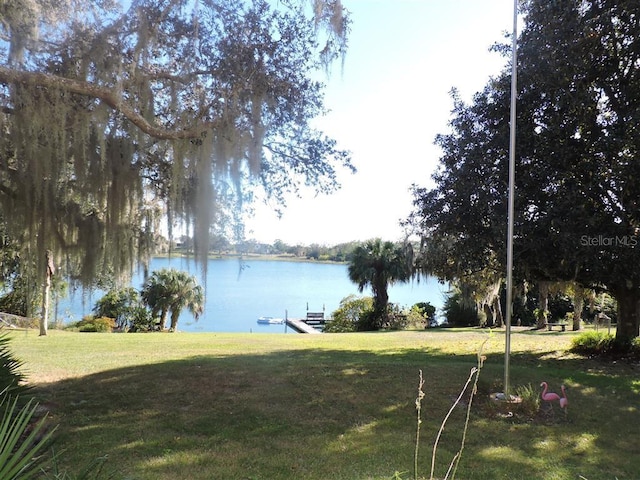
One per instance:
(324, 414)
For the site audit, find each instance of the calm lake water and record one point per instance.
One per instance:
(238, 293)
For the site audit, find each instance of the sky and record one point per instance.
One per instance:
(387, 104)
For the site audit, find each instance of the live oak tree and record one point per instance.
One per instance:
(580, 64)
(114, 119)
(462, 242)
(577, 166)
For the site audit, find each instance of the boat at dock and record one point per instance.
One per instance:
(271, 320)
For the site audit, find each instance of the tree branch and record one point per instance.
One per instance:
(105, 95)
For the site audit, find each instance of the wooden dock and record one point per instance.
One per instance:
(300, 326)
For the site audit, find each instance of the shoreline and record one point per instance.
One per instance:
(249, 256)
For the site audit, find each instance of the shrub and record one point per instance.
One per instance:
(428, 311)
(93, 324)
(415, 318)
(141, 320)
(352, 311)
(119, 304)
(369, 320)
(604, 344)
(592, 343)
(398, 319)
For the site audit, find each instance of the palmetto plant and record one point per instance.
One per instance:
(169, 291)
(11, 379)
(21, 441)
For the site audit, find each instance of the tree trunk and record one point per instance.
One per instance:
(543, 305)
(163, 319)
(46, 290)
(578, 305)
(628, 326)
(488, 313)
(380, 302)
(174, 320)
(497, 312)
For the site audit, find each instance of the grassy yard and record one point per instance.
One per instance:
(333, 406)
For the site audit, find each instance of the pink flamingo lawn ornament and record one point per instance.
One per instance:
(564, 401)
(548, 396)
(551, 397)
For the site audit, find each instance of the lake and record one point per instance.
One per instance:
(239, 292)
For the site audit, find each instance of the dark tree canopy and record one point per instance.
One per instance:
(112, 119)
(577, 165)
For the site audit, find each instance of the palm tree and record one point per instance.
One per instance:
(379, 264)
(170, 291)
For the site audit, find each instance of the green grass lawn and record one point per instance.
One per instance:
(333, 406)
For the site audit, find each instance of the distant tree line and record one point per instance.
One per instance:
(220, 245)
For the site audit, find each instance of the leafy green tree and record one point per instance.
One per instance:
(351, 313)
(280, 247)
(169, 291)
(577, 217)
(378, 264)
(427, 311)
(119, 304)
(314, 251)
(116, 115)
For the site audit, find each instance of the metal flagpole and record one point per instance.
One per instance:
(512, 176)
